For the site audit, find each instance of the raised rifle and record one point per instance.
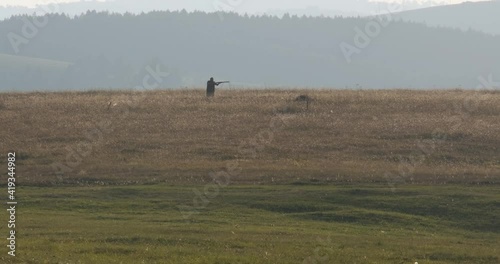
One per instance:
(222, 82)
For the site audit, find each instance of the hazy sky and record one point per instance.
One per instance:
(253, 4)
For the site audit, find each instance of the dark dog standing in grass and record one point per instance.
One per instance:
(303, 98)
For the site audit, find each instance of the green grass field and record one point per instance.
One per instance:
(259, 224)
(11, 63)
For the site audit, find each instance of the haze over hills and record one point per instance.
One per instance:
(104, 50)
(274, 7)
(353, 8)
(482, 16)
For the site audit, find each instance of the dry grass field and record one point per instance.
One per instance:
(253, 137)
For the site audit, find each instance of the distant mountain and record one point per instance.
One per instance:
(255, 7)
(481, 16)
(120, 51)
(349, 8)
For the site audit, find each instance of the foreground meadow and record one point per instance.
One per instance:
(259, 224)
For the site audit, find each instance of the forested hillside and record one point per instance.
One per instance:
(105, 50)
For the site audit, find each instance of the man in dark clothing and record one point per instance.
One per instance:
(211, 87)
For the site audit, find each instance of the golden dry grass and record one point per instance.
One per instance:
(393, 136)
